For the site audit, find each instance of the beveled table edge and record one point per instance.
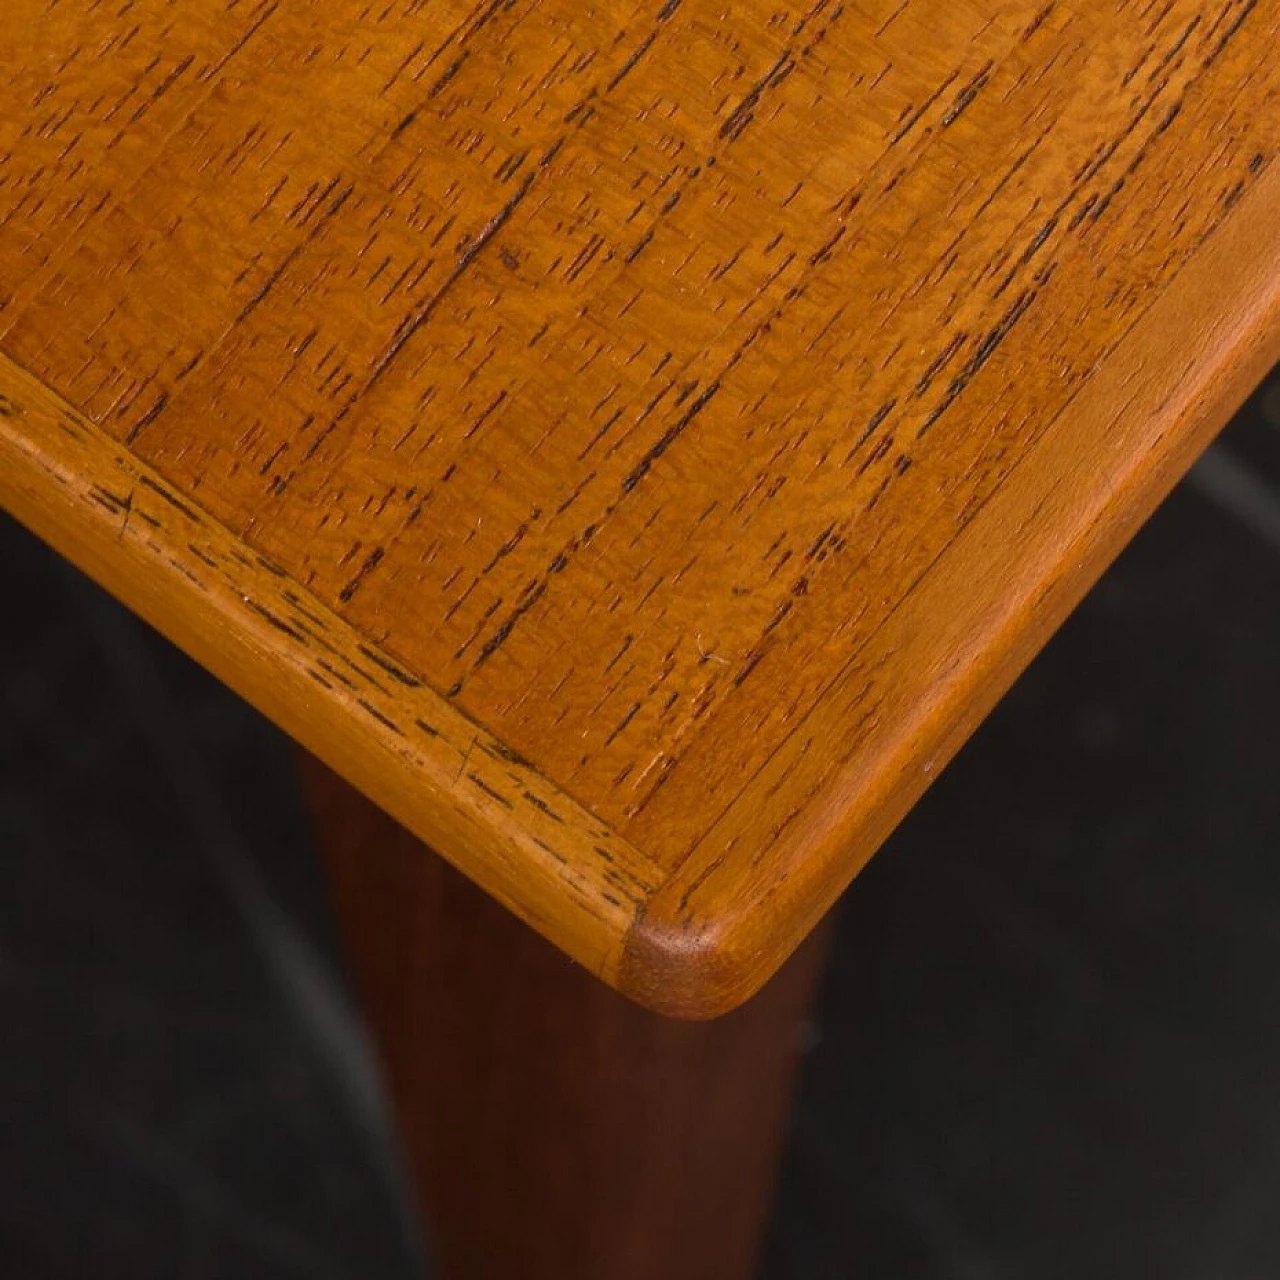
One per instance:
(763, 875)
(700, 940)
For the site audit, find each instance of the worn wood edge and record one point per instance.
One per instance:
(379, 725)
(804, 828)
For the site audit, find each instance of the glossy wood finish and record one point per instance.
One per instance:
(634, 443)
(556, 1129)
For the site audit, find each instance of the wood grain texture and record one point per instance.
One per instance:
(244, 618)
(708, 407)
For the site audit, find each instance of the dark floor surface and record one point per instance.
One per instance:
(1049, 1045)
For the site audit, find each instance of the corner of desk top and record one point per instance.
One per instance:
(699, 939)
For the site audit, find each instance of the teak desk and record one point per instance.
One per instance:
(633, 444)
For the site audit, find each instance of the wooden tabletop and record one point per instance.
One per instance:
(634, 442)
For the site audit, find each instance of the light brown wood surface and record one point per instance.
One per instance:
(633, 443)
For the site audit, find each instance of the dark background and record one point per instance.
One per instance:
(1049, 1045)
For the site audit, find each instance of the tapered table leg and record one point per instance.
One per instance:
(554, 1128)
